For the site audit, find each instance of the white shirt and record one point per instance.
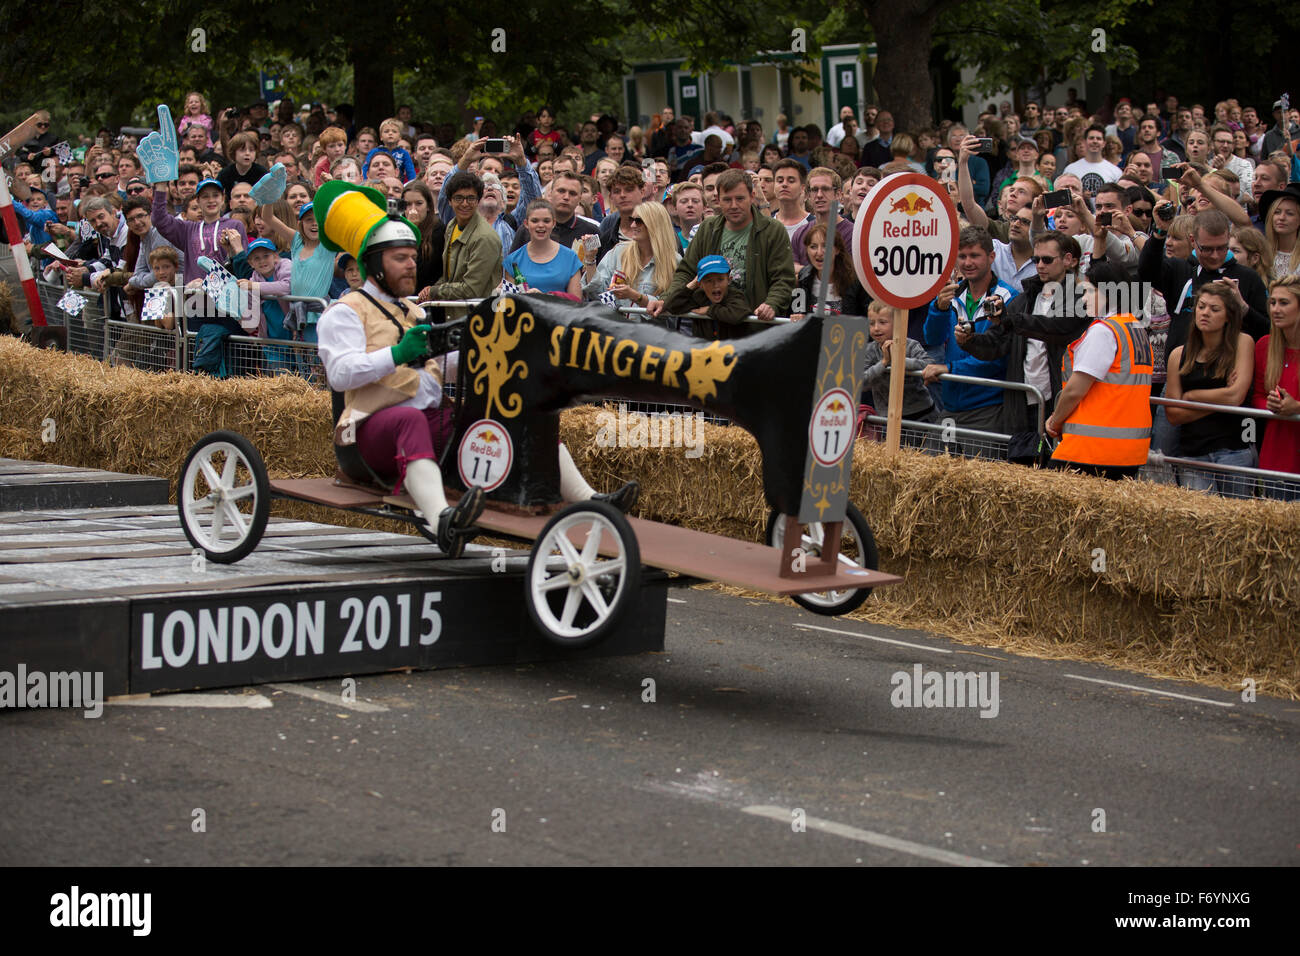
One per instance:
(1004, 266)
(341, 339)
(1093, 175)
(835, 135)
(1096, 353)
(722, 134)
(1037, 373)
(1245, 171)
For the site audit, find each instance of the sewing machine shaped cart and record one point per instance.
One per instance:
(522, 359)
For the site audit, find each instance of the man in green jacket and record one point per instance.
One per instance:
(757, 247)
(471, 257)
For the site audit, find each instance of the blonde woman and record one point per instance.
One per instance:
(1277, 381)
(1280, 210)
(646, 261)
(1251, 248)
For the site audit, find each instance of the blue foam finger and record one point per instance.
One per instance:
(167, 128)
(271, 186)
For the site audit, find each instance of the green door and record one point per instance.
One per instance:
(690, 90)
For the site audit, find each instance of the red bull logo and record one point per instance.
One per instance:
(488, 436)
(836, 406)
(911, 204)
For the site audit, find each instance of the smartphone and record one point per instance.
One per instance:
(986, 144)
(495, 146)
(1103, 218)
(1168, 173)
(1057, 199)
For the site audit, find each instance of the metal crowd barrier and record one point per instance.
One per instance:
(1230, 481)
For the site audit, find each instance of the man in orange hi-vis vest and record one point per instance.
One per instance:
(1103, 415)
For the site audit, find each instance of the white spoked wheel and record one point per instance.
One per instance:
(857, 549)
(576, 595)
(224, 497)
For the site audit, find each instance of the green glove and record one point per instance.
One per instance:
(413, 344)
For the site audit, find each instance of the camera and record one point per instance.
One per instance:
(1057, 199)
(993, 305)
(1104, 218)
(1165, 211)
(967, 326)
(985, 144)
(83, 181)
(394, 205)
(494, 145)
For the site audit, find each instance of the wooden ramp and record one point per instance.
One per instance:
(712, 557)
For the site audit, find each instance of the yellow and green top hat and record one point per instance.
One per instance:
(355, 219)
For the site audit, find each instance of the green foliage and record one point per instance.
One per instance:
(1016, 44)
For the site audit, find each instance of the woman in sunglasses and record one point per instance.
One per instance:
(639, 271)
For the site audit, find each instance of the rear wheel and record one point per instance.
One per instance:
(857, 548)
(224, 496)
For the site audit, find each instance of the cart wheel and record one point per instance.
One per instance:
(857, 549)
(224, 497)
(576, 595)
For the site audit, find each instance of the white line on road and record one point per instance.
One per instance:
(330, 697)
(676, 601)
(1152, 690)
(783, 815)
(249, 701)
(872, 637)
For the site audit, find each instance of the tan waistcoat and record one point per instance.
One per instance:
(397, 386)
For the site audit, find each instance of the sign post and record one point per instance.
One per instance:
(904, 243)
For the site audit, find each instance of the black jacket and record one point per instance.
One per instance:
(1011, 338)
(1170, 278)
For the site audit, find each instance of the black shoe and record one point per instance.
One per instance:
(455, 522)
(624, 499)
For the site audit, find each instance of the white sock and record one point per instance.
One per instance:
(424, 484)
(573, 487)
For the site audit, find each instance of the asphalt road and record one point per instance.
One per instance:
(753, 720)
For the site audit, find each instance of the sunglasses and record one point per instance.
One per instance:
(136, 191)
(1024, 222)
(636, 220)
(1045, 260)
(105, 175)
(42, 125)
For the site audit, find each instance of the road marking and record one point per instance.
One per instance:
(249, 701)
(784, 815)
(1149, 690)
(872, 637)
(332, 698)
(676, 601)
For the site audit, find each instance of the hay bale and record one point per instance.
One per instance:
(8, 318)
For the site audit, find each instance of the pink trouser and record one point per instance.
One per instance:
(392, 436)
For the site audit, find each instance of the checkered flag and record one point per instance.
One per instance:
(608, 298)
(155, 303)
(72, 303)
(87, 230)
(509, 288)
(64, 152)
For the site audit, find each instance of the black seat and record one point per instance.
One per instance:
(348, 457)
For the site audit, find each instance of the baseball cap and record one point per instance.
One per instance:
(306, 208)
(208, 182)
(1026, 141)
(266, 244)
(712, 265)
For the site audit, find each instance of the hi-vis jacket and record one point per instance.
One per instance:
(1112, 424)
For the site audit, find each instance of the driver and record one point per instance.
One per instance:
(374, 346)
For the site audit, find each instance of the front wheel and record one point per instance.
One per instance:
(224, 496)
(857, 548)
(576, 595)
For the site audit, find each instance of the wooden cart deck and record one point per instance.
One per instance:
(698, 554)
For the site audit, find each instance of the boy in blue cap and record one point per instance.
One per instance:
(712, 294)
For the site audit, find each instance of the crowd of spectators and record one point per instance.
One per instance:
(732, 220)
